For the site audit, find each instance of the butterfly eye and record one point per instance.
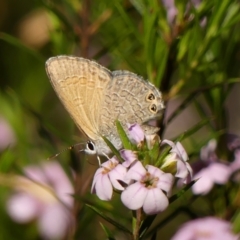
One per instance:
(150, 97)
(90, 148)
(153, 108)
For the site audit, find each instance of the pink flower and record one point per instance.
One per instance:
(129, 157)
(216, 173)
(209, 170)
(208, 228)
(171, 10)
(107, 177)
(235, 165)
(7, 136)
(147, 190)
(179, 155)
(233, 142)
(44, 194)
(207, 153)
(136, 134)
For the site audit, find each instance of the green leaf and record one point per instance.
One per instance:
(232, 15)
(236, 222)
(123, 136)
(113, 149)
(183, 46)
(182, 191)
(146, 224)
(129, 24)
(164, 153)
(17, 43)
(193, 130)
(154, 152)
(108, 232)
(108, 219)
(139, 5)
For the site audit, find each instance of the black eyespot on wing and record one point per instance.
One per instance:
(150, 97)
(153, 108)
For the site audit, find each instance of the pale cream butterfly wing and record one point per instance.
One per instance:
(80, 84)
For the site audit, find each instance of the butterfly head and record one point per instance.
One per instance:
(90, 148)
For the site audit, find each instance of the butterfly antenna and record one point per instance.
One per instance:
(64, 150)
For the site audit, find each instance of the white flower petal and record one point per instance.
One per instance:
(109, 163)
(104, 188)
(181, 151)
(96, 177)
(189, 168)
(177, 148)
(170, 143)
(182, 171)
(165, 182)
(155, 201)
(136, 172)
(134, 195)
(154, 171)
(118, 173)
(129, 157)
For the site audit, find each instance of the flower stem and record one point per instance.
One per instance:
(137, 224)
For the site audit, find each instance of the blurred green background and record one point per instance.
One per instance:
(190, 50)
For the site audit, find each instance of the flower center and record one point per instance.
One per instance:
(203, 234)
(111, 165)
(150, 181)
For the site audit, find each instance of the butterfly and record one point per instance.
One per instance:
(96, 97)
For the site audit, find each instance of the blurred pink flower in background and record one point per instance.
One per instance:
(208, 152)
(216, 173)
(233, 142)
(45, 195)
(235, 165)
(209, 170)
(208, 228)
(148, 190)
(171, 10)
(7, 136)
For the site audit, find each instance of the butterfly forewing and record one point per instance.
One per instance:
(80, 85)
